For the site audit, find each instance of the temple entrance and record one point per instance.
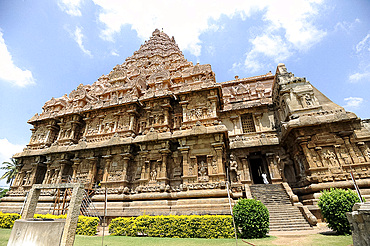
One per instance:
(258, 167)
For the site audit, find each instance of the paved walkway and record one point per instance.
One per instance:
(297, 238)
(319, 228)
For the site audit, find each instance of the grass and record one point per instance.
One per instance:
(316, 239)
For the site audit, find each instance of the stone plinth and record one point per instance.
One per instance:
(36, 232)
(360, 224)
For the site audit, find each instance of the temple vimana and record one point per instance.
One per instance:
(165, 138)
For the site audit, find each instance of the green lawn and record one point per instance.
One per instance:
(317, 240)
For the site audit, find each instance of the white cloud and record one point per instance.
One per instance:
(362, 50)
(71, 7)
(185, 20)
(271, 46)
(7, 150)
(114, 53)
(289, 21)
(78, 36)
(358, 77)
(289, 31)
(9, 72)
(364, 44)
(295, 18)
(353, 102)
(346, 26)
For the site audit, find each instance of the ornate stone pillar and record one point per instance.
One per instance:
(258, 117)
(18, 179)
(213, 99)
(126, 159)
(235, 120)
(92, 171)
(52, 131)
(364, 150)
(76, 164)
(75, 127)
(319, 152)
(47, 176)
(143, 156)
(32, 178)
(307, 153)
(184, 103)
(274, 172)
(163, 173)
(60, 175)
(219, 153)
(349, 147)
(108, 161)
(132, 122)
(185, 160)
(246, 171)
(337, 153)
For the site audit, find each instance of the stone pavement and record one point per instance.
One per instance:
(319, 228)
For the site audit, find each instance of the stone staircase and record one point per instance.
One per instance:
(283, 215)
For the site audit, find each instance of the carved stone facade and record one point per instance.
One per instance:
(163, 136)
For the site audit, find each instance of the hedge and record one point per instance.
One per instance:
(334, 205)
(251, 218)
(175, 226)
(85, 225)
(7, 220)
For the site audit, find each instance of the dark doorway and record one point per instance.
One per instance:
(257, 170)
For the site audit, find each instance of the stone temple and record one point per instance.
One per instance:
(164, 138)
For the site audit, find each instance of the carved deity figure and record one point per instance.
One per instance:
(214, 166)
(202, 170)
(233, 163)
(329, 155)
(153, 175)
(308, 100)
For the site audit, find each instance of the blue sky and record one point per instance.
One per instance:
(47, 48)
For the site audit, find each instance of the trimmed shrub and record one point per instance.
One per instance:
(85, 225)
(183, 226)
(7, 219)
(334, 204)
(251, 218)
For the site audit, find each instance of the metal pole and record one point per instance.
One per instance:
(231, 209)
(356, 187)
(105, 212)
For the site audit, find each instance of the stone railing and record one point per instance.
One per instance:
(295, 201)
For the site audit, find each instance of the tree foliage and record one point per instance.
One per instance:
(3, 192)
(334, 205)
(11, 169)
(251, 218)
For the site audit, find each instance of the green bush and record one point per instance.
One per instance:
(183, 226)
(7, 219)
(251, 218)
(334, 204)
(85, 225)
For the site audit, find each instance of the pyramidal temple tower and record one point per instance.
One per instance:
(165, 138)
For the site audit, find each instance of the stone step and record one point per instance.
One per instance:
(274, 225)
(278, 221)
(295, 228)
(283, 215)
